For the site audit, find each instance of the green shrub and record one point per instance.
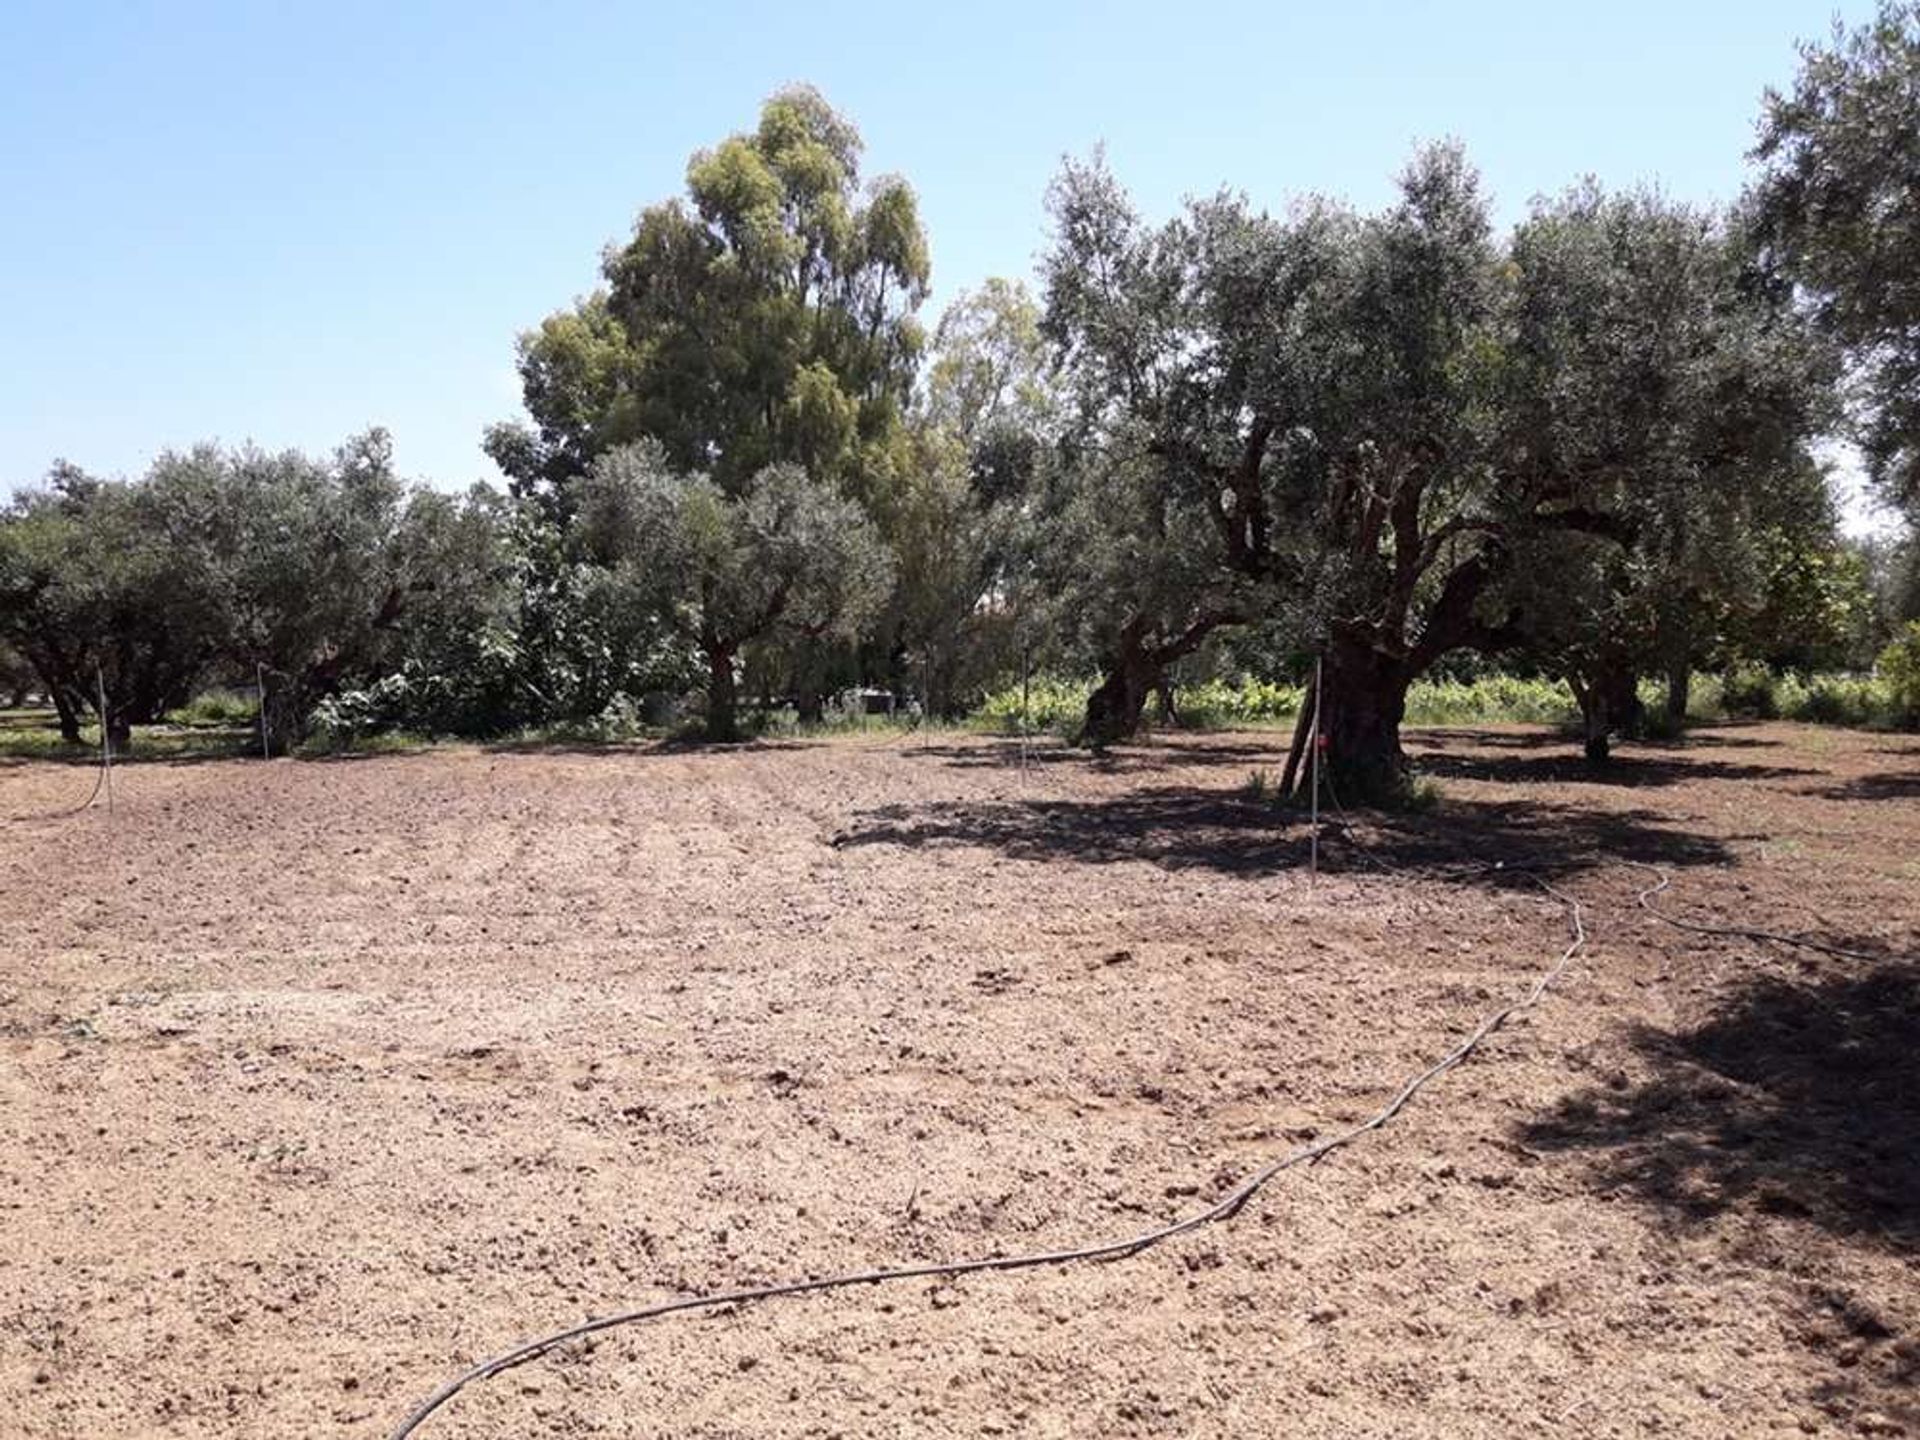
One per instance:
(341, 722)
(1490, 699)
(1048, 703)
(218, 707)
(1225, 705)
(1058, 705)
(1748, 692)
(1844, 700)
(1706, 698)
(1898, 671)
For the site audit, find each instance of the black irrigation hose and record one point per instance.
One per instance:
(1222, 1209)
(1662, 881)
(99, 780)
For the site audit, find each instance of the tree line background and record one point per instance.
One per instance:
(1230, 444)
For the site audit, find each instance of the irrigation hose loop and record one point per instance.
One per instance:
(1663, 881)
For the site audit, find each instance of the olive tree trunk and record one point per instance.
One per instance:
(1363, 699)
(1135, 668)
(1114, 708)
(1679, 690)
(723, 696)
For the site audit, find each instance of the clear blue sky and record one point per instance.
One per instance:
(286, 222)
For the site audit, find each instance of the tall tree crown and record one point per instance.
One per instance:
(767, 316)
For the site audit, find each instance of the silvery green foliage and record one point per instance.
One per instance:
(786, 554)
(1649, 380)
(1838, 213)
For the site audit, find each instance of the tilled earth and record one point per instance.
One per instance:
(322, 1080)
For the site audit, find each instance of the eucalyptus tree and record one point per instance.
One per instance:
(949, 565)
(959, 523)
(766, 317)
(1839, 204)
(783, 553)
(990, 384)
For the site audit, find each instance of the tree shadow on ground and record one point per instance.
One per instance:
(1180, 827)
(89, 759)
(1549, 737)
(1627, 770)
(1886, 785)
(1795, 1098)
(668, 745)
(1431, 736)
(1010, 754)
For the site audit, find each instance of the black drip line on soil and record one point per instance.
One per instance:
(1225, 1208)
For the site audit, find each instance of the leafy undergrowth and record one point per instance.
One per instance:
(1056, 705)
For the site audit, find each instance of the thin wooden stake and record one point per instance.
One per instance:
(1313, 743)
(106, 734)
(260, 682)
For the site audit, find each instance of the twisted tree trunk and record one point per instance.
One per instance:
(1363, 699)
(722, 694)
(1136, 667)
(1116, 705)
(1679, 690)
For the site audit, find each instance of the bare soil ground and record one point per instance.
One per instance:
(319, 1081)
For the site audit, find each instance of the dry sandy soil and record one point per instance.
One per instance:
(319, 1081)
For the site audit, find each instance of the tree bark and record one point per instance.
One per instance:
(1679, 690)
(722, 695)
(1595, 720)
(1609, 705)
(1296, 752)
(1623, 701)
(68, 712)
(1135, 669)
(1363, 700)
(1114, 709)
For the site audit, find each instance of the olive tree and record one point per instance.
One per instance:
(783, 552)
(112, 588)
(1651, 378)
(1838, 201)
(1198, 361)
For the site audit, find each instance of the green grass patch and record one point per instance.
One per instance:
(35, 735)
(1057, 705)
(217, 709)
